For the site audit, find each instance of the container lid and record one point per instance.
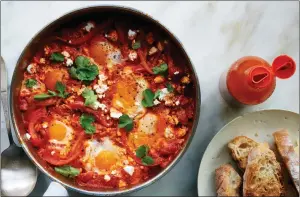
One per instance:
(283, 67)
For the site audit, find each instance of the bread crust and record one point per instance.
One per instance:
(240, 147)
(228, 181)
(288, 154)
(263, 175)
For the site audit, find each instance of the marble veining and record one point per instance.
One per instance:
(214, 35)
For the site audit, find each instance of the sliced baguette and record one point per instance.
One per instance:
(240, 147)
(263, 175)
(288, 154)
(228, 181)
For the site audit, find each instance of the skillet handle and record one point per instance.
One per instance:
(4, 99)
(56, 189)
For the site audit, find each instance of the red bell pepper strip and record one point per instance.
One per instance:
(79, 105)
(142, 57)
(35, 116)
(72, 155)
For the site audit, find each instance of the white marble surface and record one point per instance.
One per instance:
(214, 34)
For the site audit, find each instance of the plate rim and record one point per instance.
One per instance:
(230, 122)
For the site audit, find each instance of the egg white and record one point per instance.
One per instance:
(94, 148)
(148, 124)
(68, 137)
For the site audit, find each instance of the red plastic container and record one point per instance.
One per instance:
(251, 80)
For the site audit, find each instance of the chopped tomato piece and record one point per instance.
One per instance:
(36, 138)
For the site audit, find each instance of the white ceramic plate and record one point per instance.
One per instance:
(257, 125)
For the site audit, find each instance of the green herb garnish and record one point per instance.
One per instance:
(125, 122)
(149, 97)
(42, 96)
(29, 83)
(142, 151)
(147, 160)
(170, 87)
(61, 88)
(90, 97)
(86, 122)
(85, 71)
(57, 57)
(156, 95)
(136, 45)
(67, 171)
(161, 69)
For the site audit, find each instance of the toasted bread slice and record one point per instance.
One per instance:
(228, 181)
(240, 147)
(263, 175)
(288, 154)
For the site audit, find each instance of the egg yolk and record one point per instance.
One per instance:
(126, 92)
(57, 131)
(105, 160)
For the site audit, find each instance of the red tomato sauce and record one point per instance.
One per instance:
(106, 105)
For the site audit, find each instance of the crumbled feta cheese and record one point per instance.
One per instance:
(106, 177)
(131, 34)
(97, 105)
(176, 73)
(152, 50)
(52, 152)
(65, 53)
(126, 162)
(45, 125)
(102, 77)
(113, 172)
(69, 62)
(31, 68)
(156, 102)
(132, 55)
(100, 88)
(129, 170)
(169, 133)
(177, 102)
(164, 92)
(89, 26)
(27, 136)
(114, 113)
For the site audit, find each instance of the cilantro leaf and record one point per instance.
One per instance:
(51, 93)
(170, 87)
(90, 97)
(161, 69)
(61, 88)
(136, 45)
(42, 96)
(148, 98)
(147, 160)
(142, 151)
(86, 123)
(125, 122)
(85, 71)
(29, 83)
(67, 171)
(57, 57)
(156, 95)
